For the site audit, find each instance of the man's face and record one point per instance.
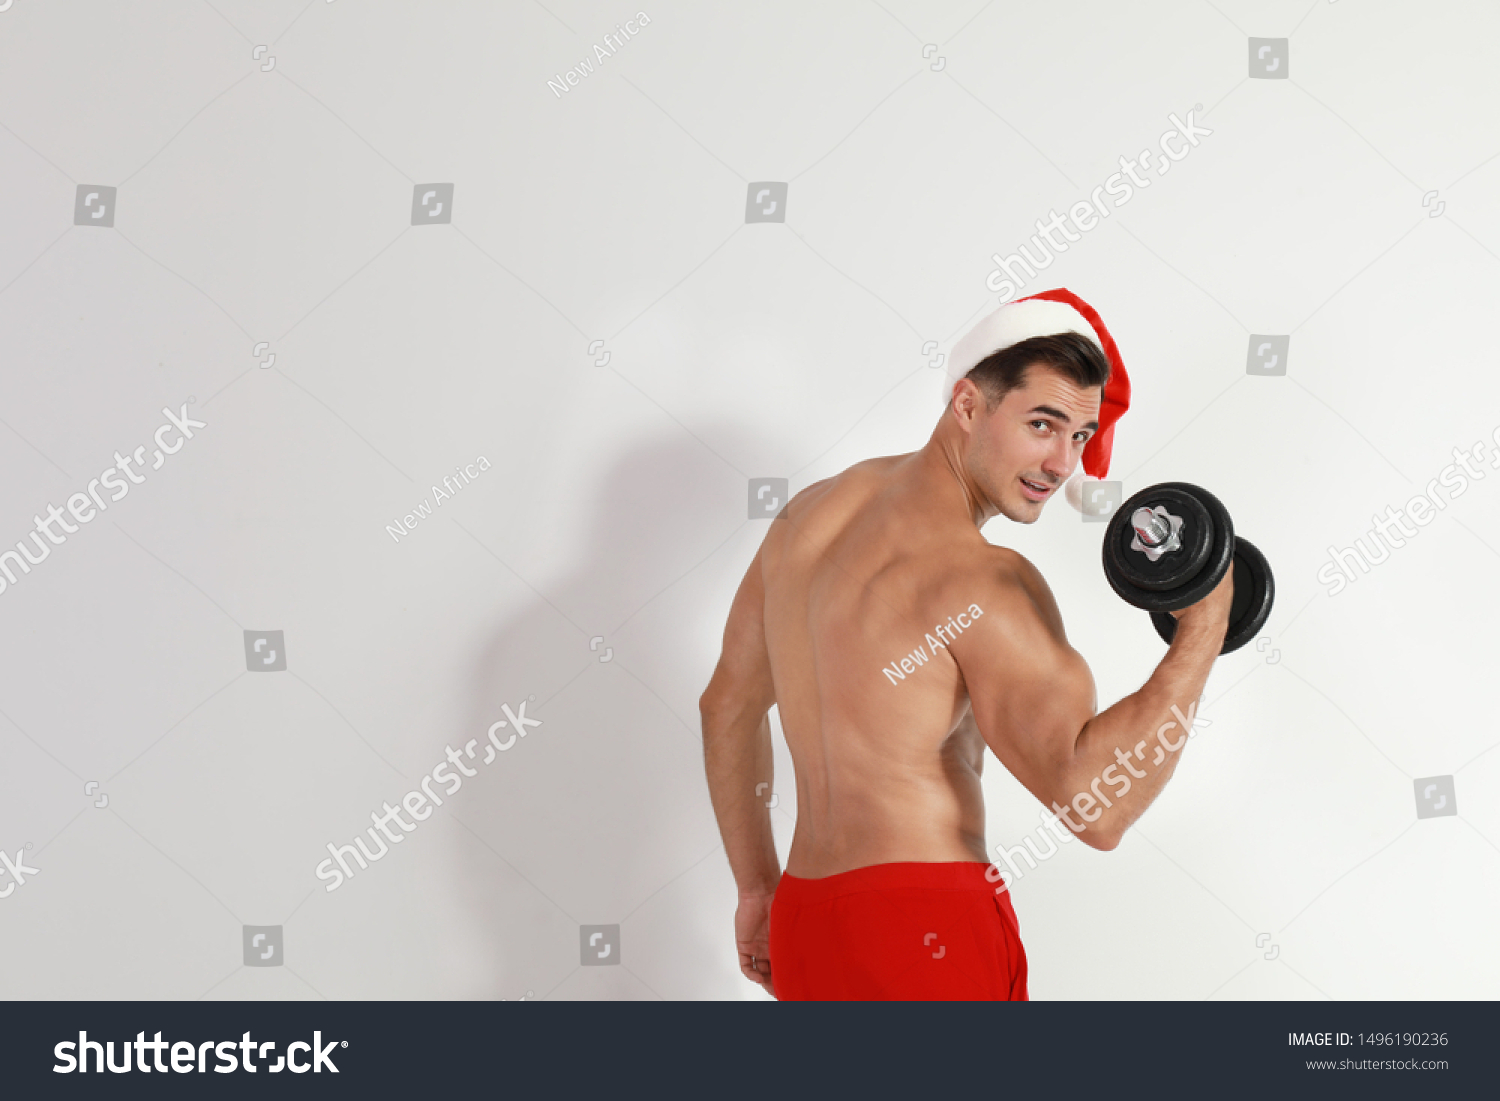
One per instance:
(1021, 453)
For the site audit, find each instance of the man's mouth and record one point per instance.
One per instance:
(1036, 491)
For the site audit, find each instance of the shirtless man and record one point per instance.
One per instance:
(885, 893)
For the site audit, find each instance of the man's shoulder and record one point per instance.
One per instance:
(1015, 567)
(1001, 571)
(1020, 593)
(859, 472)
(998, 579)
(837, 497)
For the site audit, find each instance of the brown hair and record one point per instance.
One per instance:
(1073, 355)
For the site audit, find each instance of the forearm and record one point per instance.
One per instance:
(738, 759)
(1124, 755)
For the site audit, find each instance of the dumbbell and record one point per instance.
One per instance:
(1170, 544)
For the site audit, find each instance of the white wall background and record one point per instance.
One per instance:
(274, 205)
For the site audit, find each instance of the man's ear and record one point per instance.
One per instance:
(967, 403)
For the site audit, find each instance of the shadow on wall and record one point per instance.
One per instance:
(586, 817)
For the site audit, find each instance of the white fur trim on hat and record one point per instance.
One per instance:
(1011, 324)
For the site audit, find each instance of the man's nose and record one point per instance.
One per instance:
(1059, 460)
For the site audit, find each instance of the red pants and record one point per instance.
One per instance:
(906, 931)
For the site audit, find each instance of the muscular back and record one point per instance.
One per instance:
(858, 574)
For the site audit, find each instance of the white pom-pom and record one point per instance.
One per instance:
(1073, 487)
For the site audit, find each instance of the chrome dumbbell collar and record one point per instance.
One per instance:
(1156, 532)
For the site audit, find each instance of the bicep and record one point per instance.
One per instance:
(742, 679)
(1030, 692)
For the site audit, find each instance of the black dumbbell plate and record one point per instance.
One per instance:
(1254, 593)
(1180, 577)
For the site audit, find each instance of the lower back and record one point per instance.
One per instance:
(859, 577)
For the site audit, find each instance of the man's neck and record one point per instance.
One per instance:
(942, 472)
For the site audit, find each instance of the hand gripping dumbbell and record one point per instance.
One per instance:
(1170, 544)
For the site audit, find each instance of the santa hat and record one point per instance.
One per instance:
(1047, 314)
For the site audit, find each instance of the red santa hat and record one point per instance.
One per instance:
(1047, 314)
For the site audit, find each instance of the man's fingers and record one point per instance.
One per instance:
(758, 972)
(761, 979)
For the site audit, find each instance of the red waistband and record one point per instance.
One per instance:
(951, 875)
